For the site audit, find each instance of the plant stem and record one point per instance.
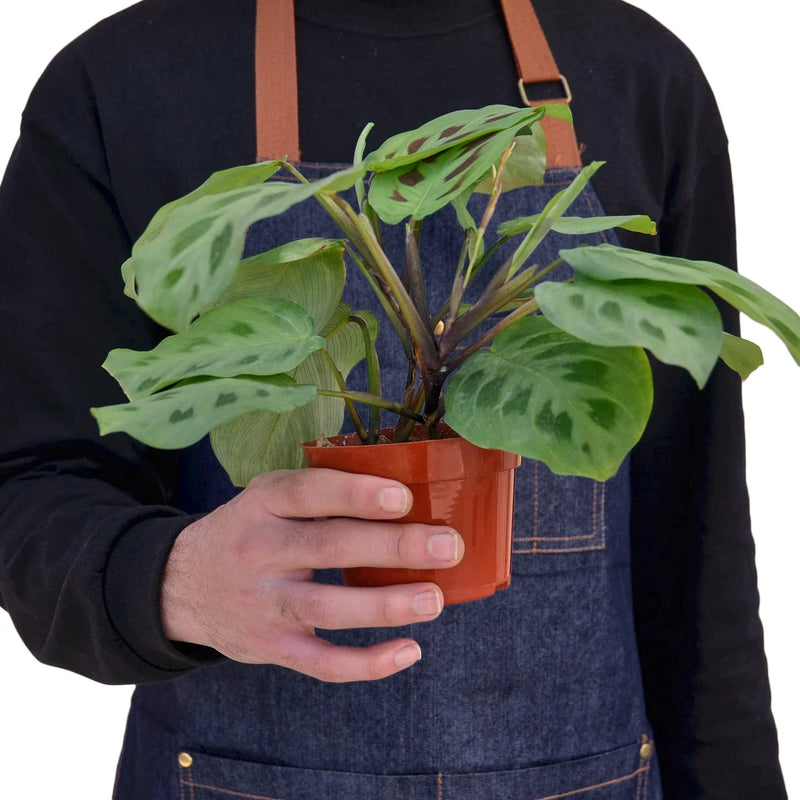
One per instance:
(405, 425)
(491, 206)
(452, 305)
(412, 271)
(373, 377)
(290, 168)
(487, 306)
(421, 331)
(526, 308)
(351, 408)
(373, 400)
(385, 301)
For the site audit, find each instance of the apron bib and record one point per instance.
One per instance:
(532, 694)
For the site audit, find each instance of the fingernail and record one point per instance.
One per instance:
(427, 603)
(407, 656)
(395, 499)
(445, 546)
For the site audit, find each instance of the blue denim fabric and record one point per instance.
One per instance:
(530, 694)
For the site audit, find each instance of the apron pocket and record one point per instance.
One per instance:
(620, 774)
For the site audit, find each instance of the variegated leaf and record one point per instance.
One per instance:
(222, 181)
(182, 266)
(678, 324)
(253, 336)
(442, 133)
(264, 440)
(309, 272)
(422, 188)
(525, 166)
(543, 394)
(609, 263)
(182, 415)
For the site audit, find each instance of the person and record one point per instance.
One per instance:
(105, 574)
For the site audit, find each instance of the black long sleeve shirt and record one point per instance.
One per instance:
(140, 110)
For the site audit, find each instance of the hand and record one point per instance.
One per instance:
(240, 579)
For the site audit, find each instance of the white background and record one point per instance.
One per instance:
(59, 733)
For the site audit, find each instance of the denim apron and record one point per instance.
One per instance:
(531, 694)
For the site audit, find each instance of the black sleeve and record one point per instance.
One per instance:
(696, 598)
(85, 528)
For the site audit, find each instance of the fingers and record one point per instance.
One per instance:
(309, 493)
(335, 664)
(314, 605)
(342, 543)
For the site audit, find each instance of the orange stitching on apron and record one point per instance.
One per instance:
(192, 785)
(595, 786)
(598, 524)
(440, 785)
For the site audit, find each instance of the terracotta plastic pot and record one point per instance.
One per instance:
(454, 483)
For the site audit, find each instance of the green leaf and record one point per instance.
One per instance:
(309, 272)
(554, 210)
(263, 441)
(253, 336)
(741, 355)
(182, 266)
(678, 324)
(222, 181)
(525, 166)
(558, 111)
(442, 133)
(577, 226)
(420, 189)
(543, 394)
(467, 222)
(606, 262)
(181, 416)
(358, 158)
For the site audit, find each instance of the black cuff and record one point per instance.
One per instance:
(132, 592)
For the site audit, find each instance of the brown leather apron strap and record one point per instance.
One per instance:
(277, 128)
(536, 65)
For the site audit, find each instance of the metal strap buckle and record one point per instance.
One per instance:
(566, 99)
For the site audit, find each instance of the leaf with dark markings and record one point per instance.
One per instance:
(544, 394)
(609, 263)
(182, 415)
(678, 324)
(420, 190)
(252, 336)
(442, 133)
(182, 263)
(265, 440)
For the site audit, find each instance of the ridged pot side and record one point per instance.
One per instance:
(453, 483)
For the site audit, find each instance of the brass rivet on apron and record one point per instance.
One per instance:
(646, 750)
(185, 760)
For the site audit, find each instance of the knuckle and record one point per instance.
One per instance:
(305, 605)
(312, 609)
(331, 542)
(293, 485)
(393, 609)
(298, 487)
(409, 545)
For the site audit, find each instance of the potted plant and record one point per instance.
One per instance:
(262, 348)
